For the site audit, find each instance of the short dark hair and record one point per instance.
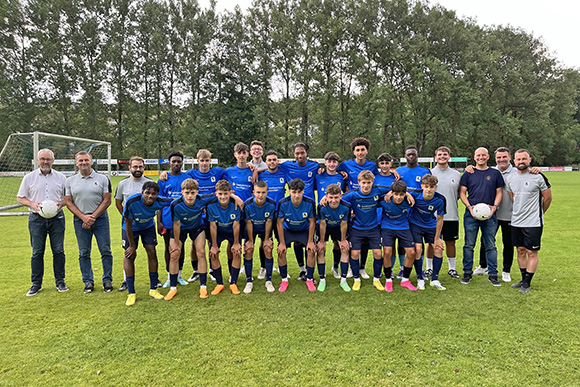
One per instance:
(332, 156)
(399, 186)
(240, 147)
(360, 141)
(175, 153)
(429, 180)
(385, 157)
(522, 150)
(333, 189)
(301, 145)
(296, 185)
(260, 184)
(223, 185)
(411, 147)
(443, 149)
(270, 153)
(150, 185)
(502, 149)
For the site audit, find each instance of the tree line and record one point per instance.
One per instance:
(156, 75)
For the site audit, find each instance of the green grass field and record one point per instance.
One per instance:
(467, 335)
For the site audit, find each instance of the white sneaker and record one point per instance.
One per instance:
(211, 277)
(242, 269)
(421, 284)
(437, 285)
(262, 273)
(480, 271)
(349, 273)
(506, 277)
(335, 273)
(269, 287)
(249, 287)
(363, 274)
(274, 269)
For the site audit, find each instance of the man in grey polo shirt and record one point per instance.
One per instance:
(531, 195)
(449, 187)
(42, 184)
(87, 196)
(127, 187)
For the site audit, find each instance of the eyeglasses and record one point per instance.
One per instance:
(44, 159)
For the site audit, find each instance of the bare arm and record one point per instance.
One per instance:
(547, 196)
(119, 205)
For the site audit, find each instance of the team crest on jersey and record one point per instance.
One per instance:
(452, 181)
(305, 214)
(488, 178)
(430, 208)
(309, 174)
(376, 197)
(417, 178)
(232, 216)
(249, 179)
(96, 183)
(266, 214)
(212, 179)
(282, 180)
(527, 184)
(341, 216)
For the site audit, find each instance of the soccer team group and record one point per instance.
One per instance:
(362, 206)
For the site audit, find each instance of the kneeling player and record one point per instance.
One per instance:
(296, 223)
(426, 225)
(186, 213)
(138, 214)
(259, 213)
(224, 224)
(334, 224)
(394, 225)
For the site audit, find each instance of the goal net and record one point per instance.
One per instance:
(18, 157)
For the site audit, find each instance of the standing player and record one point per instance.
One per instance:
(426, 221)
(224, 223)
(88, 195)
(240, 175)
(448, 186)
(127, 187)
(532, 195)
(296, 223)
(386, 178)
(42, 184)
(259, 213)
(395, 225)
(305, 170)
(323, 180)
(186, 213)
(171, 188)
(484, 185)
(138, 214)
(333, 223)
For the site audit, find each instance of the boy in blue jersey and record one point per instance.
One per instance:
(224, 220)
(138, 214)
(259, 213)
(186, 213)
(171, 188)
(296, 224)
(276, 181)
(240, 175)
(333, 224)
(323, 180)
(305, 170)
(395, 225)
(426, 221)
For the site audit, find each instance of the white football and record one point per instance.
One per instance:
(48, 209)
(481, 211)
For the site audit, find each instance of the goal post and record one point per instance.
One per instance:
(18, 158)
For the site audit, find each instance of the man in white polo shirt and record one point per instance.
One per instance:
(42, 184)
(87, 196)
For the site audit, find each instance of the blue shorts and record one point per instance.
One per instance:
(295, 236)
(193, 233)
(372, 237)
(331, 232)
(261, 234)
(405, 237)
(148, 237)
(222, 236)
(420, 233)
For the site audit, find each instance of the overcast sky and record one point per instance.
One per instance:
(556, 21)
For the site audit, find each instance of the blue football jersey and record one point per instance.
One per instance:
(394, 216)
(207, 180)
(334, 216)
(276, 184)
(190, 217)
(385, 181)
(141, 214)
(306, 173)
(224, 217)
(170, 188)
(365, 206)
(353, 169)
(258, 215)
(424, 212)
(296, 218)
(241, 181)
(324, 180)
(412, 176)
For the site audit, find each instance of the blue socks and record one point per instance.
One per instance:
(153, 279)
(343, 269)
(269, 267)
(377, 267)
(322, 270)
(234, 274)
(173, 280)
(248, 266)
(419, 268)
(283, 271)
(355, 266)
(437, 263)
(203, 279)
(309, 272)
(131, 284)
(217, 273)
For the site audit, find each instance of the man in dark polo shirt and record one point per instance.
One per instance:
(87, 196)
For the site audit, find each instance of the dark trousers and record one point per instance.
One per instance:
(508, 248)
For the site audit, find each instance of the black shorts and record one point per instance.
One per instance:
(148, 237)
(192, 233)
(450, 230)
(372, 237)
(222, 236)
(404, 236)
(422, 233)
(528, 237)
(261, 234)
(295, 236)
(331, 232)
